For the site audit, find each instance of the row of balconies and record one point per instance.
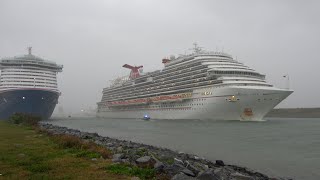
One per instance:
(177, 78)
(191, 84)
(27, 82)
(27, 75)
(37, 78)
(26, 85)
(155, 79)
(159, 74)
(6, 71)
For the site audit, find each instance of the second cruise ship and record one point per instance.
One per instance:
(201, 85)
(28, 85)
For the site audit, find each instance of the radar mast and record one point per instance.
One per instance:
(196, 48)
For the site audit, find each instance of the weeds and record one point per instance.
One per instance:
(88, 148)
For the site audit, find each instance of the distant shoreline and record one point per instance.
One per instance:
(295, 113)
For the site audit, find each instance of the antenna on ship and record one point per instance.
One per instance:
(29, 50)
(196, 48)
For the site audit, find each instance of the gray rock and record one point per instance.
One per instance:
(193, 169)
(173, 169)
(182, 176)
(220, 163)
(111, 149)
(178, 166)
(207, 175)
(239, 176)
(188, 172)
(94, 159)
(94, 135)
(98, 142)
(200, 166)
(134, 145)
(229, 169)
(178, 161)
(183, 156)
(109, 144)
(117, 157)
(196, 157)
(119, 149)
(222, 173)
(84, 135)
(158, 166)
(145, 162)
(125, 161)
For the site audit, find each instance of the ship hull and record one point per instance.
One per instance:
(243, 103)
(36, 102)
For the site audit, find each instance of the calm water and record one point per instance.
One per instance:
(277, 147)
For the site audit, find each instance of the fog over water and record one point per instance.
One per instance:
(93, 39)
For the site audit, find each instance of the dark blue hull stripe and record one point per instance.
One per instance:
(36, 102)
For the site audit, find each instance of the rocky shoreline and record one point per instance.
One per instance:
(174, 165)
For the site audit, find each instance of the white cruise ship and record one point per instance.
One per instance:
(28, 85)
(202, 85)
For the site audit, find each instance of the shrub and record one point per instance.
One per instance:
(16, 118)
(23, 118)
(68, 141)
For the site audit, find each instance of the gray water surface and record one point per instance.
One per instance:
(276, 147)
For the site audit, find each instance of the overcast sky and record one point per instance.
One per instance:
(94, 38)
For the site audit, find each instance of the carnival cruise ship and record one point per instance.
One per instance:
(201, 85)
(28, 85)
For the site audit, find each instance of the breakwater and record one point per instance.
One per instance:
(295, 113)
(176, 165)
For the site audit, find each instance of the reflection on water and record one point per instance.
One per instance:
(277, 147)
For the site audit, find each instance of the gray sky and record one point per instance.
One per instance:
(93, 39)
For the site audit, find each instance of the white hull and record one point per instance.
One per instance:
(215, 106)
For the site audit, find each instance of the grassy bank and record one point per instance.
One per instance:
(29, 154)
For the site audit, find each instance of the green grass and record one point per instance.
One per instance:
(26, 154)
(88, 154)
(143, 173)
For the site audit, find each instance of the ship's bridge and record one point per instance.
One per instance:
(198, 53)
